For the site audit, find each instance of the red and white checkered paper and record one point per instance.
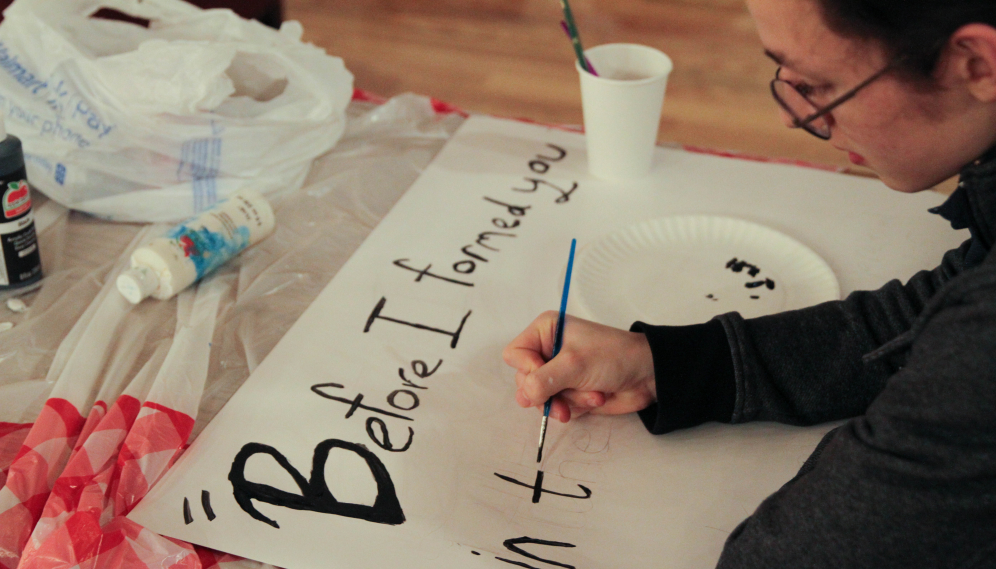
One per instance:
(29, 479)
(12, 437)
(74, 479)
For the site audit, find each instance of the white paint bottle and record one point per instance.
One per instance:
(196, 247)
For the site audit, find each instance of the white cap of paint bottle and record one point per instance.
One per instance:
(137, 283)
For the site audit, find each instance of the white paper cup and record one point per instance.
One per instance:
(622, 108)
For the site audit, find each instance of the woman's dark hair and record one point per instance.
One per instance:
(916, 30)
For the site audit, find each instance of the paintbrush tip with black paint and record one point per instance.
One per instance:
(542, 439)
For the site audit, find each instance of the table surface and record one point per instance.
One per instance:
(347, 193)
(509, 58)
(867, 233)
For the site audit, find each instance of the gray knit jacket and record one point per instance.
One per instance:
(910, 479)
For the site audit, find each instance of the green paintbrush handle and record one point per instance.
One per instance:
(572, 30)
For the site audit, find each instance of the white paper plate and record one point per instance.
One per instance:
(681, 270)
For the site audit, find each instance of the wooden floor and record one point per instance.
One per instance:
(510, 58)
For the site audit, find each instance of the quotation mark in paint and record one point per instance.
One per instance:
(188, 518)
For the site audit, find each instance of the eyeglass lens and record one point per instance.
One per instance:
(800, 108)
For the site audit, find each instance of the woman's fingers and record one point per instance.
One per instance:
(560, 410)
(582, 401)
(558, 374)
(531, 349)
(599, 369)
(573, 403)
(523, 357)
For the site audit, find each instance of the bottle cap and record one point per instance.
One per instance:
(137, 283)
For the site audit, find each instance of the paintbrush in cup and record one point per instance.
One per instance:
(587, 63)
(572, 33)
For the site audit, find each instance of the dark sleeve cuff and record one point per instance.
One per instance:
(693, 368)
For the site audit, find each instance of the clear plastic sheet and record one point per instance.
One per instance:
(347, 192)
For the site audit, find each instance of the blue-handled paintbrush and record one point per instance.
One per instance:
(558, 342)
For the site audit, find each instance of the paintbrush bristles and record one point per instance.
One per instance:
(542, 439)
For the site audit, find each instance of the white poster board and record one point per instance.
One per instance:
(382, 431)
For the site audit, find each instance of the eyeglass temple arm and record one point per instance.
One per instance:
(845, 97)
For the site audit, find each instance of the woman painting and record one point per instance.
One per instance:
(907, 88)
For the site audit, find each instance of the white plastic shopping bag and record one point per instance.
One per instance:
(157, 123)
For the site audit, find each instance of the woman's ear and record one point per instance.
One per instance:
(971, 60)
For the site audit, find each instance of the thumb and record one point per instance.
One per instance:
(549, 379)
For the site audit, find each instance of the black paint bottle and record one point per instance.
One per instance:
(20, 261)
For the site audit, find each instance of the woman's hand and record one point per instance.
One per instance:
(599, 369)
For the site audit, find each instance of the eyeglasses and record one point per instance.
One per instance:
(809, 115)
